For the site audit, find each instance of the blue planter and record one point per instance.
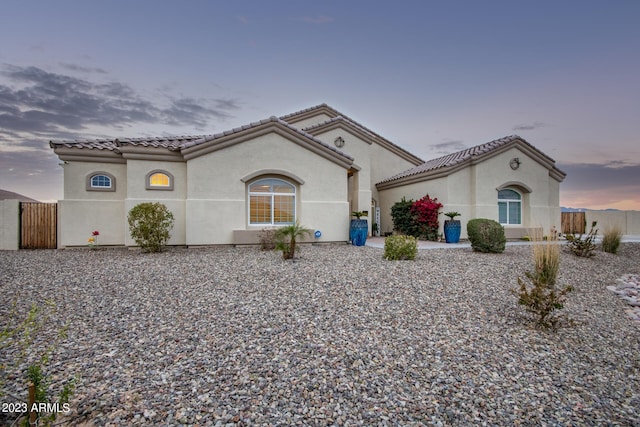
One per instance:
(358, 232)
(452, 231)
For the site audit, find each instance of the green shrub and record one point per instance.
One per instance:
(149, 225)
(286, 238)
(584, 246)
(611, 239)
(17, 338)
(400, 247)
(486, 235)
(417, 218)
(538, 292)
(403, 219)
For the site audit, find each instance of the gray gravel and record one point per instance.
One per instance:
(340, 336)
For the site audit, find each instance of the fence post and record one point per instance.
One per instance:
(33, 415)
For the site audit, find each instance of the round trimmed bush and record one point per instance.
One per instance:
(149, 225)
(400, 247)
(486, 235)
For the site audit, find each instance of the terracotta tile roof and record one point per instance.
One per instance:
(177, 143)
(454, 159)
(171, 142)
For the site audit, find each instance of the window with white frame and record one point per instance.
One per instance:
(101, 181)
(509, 207)
(272, 201)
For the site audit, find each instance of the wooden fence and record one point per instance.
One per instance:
(38, 225)
(573, 222)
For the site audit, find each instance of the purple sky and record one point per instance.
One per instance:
(433, 77)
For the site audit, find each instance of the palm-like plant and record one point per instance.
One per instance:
(286, 239)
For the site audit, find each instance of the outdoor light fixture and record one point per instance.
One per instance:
(514, 163)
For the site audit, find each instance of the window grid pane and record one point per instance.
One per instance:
(260, 209)
(159, 180)
(101, 181)
(272, 201)
(283, 209)
(502, 212)
(514, 212)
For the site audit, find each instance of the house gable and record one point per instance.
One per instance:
(337, 119)
(451, 163)
(223, 140)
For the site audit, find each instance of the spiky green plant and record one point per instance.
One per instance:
(286, 238)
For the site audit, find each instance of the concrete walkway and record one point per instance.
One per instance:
(378, 242)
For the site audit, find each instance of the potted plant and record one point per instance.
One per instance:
(452, 228)
(359, 228)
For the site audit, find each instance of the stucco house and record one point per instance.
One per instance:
(315, 166)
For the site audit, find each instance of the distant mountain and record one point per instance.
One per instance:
(10, 195)
(563, 209)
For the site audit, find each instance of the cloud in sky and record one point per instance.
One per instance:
(38, 105)
(532, 126)
(448, 147)
(44, 103)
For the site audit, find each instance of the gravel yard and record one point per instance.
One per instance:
(338, 337)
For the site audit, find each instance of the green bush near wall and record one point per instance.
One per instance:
(486, 235)
(400, 247)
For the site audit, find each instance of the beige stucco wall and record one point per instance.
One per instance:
(627, 221)
(217, 200)
(9, 225)
(78, 218)
(174, 200)
(375, 163)
(82, 211)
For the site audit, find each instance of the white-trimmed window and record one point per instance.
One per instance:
(159, 180)
(272, 201)
(509, 207)
(101, 181)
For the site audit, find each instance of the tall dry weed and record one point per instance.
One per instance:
(537, 290)
(611, 239)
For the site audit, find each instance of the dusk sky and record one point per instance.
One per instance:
(432, 76)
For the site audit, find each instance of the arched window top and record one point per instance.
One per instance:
(272, 201)
(272, 185)
(159, 180)
(509, 194)
(101, 181)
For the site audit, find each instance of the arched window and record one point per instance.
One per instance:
(509, 207)
(101, 181)
(159, 180)
(272, 201)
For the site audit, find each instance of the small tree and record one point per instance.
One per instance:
(286, 239)
(426, 212)
(149, 225)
